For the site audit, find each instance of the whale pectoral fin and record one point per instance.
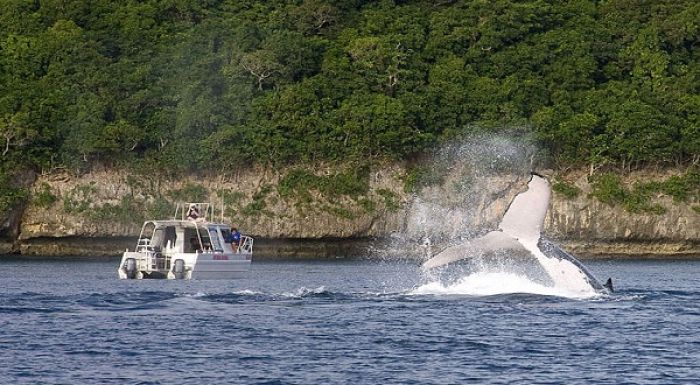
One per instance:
(493, 241)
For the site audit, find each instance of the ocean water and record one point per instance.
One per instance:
(346, 322)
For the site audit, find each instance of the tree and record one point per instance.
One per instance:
(16, 131)
(313, 16)
(650, 63)
(261, 64)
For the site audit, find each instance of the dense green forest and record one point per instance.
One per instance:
(221, 84)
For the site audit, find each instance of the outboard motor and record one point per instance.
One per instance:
(179, 269)
(130, 268)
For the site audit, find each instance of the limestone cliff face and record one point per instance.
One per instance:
(591, 227)
(113, 204)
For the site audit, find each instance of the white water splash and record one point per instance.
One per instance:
(494, 283)
(304, 291)
(247, 292)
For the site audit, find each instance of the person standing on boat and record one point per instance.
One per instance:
(234, 239)
(193, 212)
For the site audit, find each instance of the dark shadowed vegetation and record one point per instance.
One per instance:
(219, 85)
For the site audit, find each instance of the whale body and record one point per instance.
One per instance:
(520, 231)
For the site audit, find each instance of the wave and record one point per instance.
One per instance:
(247, 295)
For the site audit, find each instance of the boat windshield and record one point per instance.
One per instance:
(214, 236)
(197, 239)
(225, 233)
(164, 237)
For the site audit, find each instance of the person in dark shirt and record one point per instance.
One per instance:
(193, 212)
(234, 239)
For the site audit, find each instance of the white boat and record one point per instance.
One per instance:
(187, 248)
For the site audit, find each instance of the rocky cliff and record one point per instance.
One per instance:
(101, 212)
(591, 228)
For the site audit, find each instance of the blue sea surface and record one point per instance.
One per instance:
(341, 322)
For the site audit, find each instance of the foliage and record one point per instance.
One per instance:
(220, 85)
(127, 211)
(299, 183)
(43, 197)
(390, 199)
(568, 190)
(367, 205)
(325, 192)
(190, 192)
(80, 199)
(159, 208)
(682, 188)
(10, 196)
(258, 204)
(608, 188)
(419, 177)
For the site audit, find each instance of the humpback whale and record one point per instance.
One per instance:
(520, 231)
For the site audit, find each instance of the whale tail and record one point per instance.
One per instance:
(520, 229)
(522, 221)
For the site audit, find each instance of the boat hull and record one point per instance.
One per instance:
(200, 266)
(206, 267)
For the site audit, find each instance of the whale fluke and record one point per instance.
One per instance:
(495, 240)
(524, 218)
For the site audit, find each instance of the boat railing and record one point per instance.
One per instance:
(246, 245)
(202, 210)
(144, 244)
(151, 260)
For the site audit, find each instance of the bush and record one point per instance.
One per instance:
(10, 197)
(190, 192)
(299, 184)
(44, 198)
(390, 199)
(419, 177)
(608, 188)
(566, 189)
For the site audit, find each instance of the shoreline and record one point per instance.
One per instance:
(292, 249)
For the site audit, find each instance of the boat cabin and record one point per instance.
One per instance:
(175, 236)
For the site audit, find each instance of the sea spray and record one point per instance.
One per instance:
(456, 211)
(465, 188)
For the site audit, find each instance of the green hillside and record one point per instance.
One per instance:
(221, 84)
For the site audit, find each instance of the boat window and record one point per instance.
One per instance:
(157, 240)
(170, 236)
(206, 242)
(214, 236)
(147, 231)
(191, 241)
